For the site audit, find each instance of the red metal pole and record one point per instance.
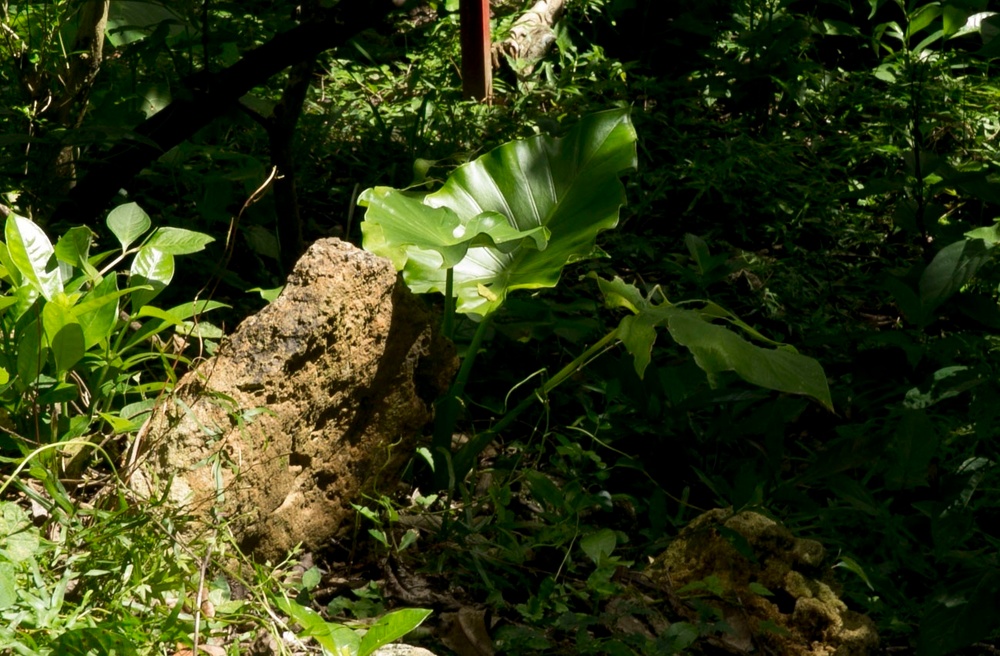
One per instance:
(477, 75)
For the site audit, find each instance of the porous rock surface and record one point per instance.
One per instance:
(767, 585)
(312, 401)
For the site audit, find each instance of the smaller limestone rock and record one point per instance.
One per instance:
(398, 649)
(746, 552)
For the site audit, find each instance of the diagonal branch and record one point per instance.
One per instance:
(208, 96)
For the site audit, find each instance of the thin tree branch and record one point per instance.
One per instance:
(207, 96)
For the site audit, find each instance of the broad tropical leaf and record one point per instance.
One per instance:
(949, 271)
(403, 222)
(717, 349)
(568, 187)
(164, 319)
(73, 251)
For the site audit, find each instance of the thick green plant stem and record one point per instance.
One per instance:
(465, 458)
(447, 410)
(448, 321)
(916, 75)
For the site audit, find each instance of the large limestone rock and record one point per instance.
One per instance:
(307, 404)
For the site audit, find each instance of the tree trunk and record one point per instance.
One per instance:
(88, 52)
(57, 100)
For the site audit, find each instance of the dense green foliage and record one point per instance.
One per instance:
(826, 171)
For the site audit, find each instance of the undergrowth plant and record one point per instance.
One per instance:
(84, 355)
(80, 348)
(336, 639)
(513, 219)
(117, 580)
(115, 575)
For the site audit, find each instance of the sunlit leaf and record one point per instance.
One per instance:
(64, 334)
(8, 585)
(97, 312)
(716, 348)
(954, 19)
(567, 186)
(151, 267)
(268, 295)
(178, 241)
(85, 641)
(19, 539)
(922, 18)
(391, 627)
(32, 254)
(128, 222)
(334, 638)
(73, 248)
(401, 222)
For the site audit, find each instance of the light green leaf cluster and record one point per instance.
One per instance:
(60, 309)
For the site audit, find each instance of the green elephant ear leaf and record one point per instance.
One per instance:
(511, 219)
(398, 222)
(949, 271)
(715, 347)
